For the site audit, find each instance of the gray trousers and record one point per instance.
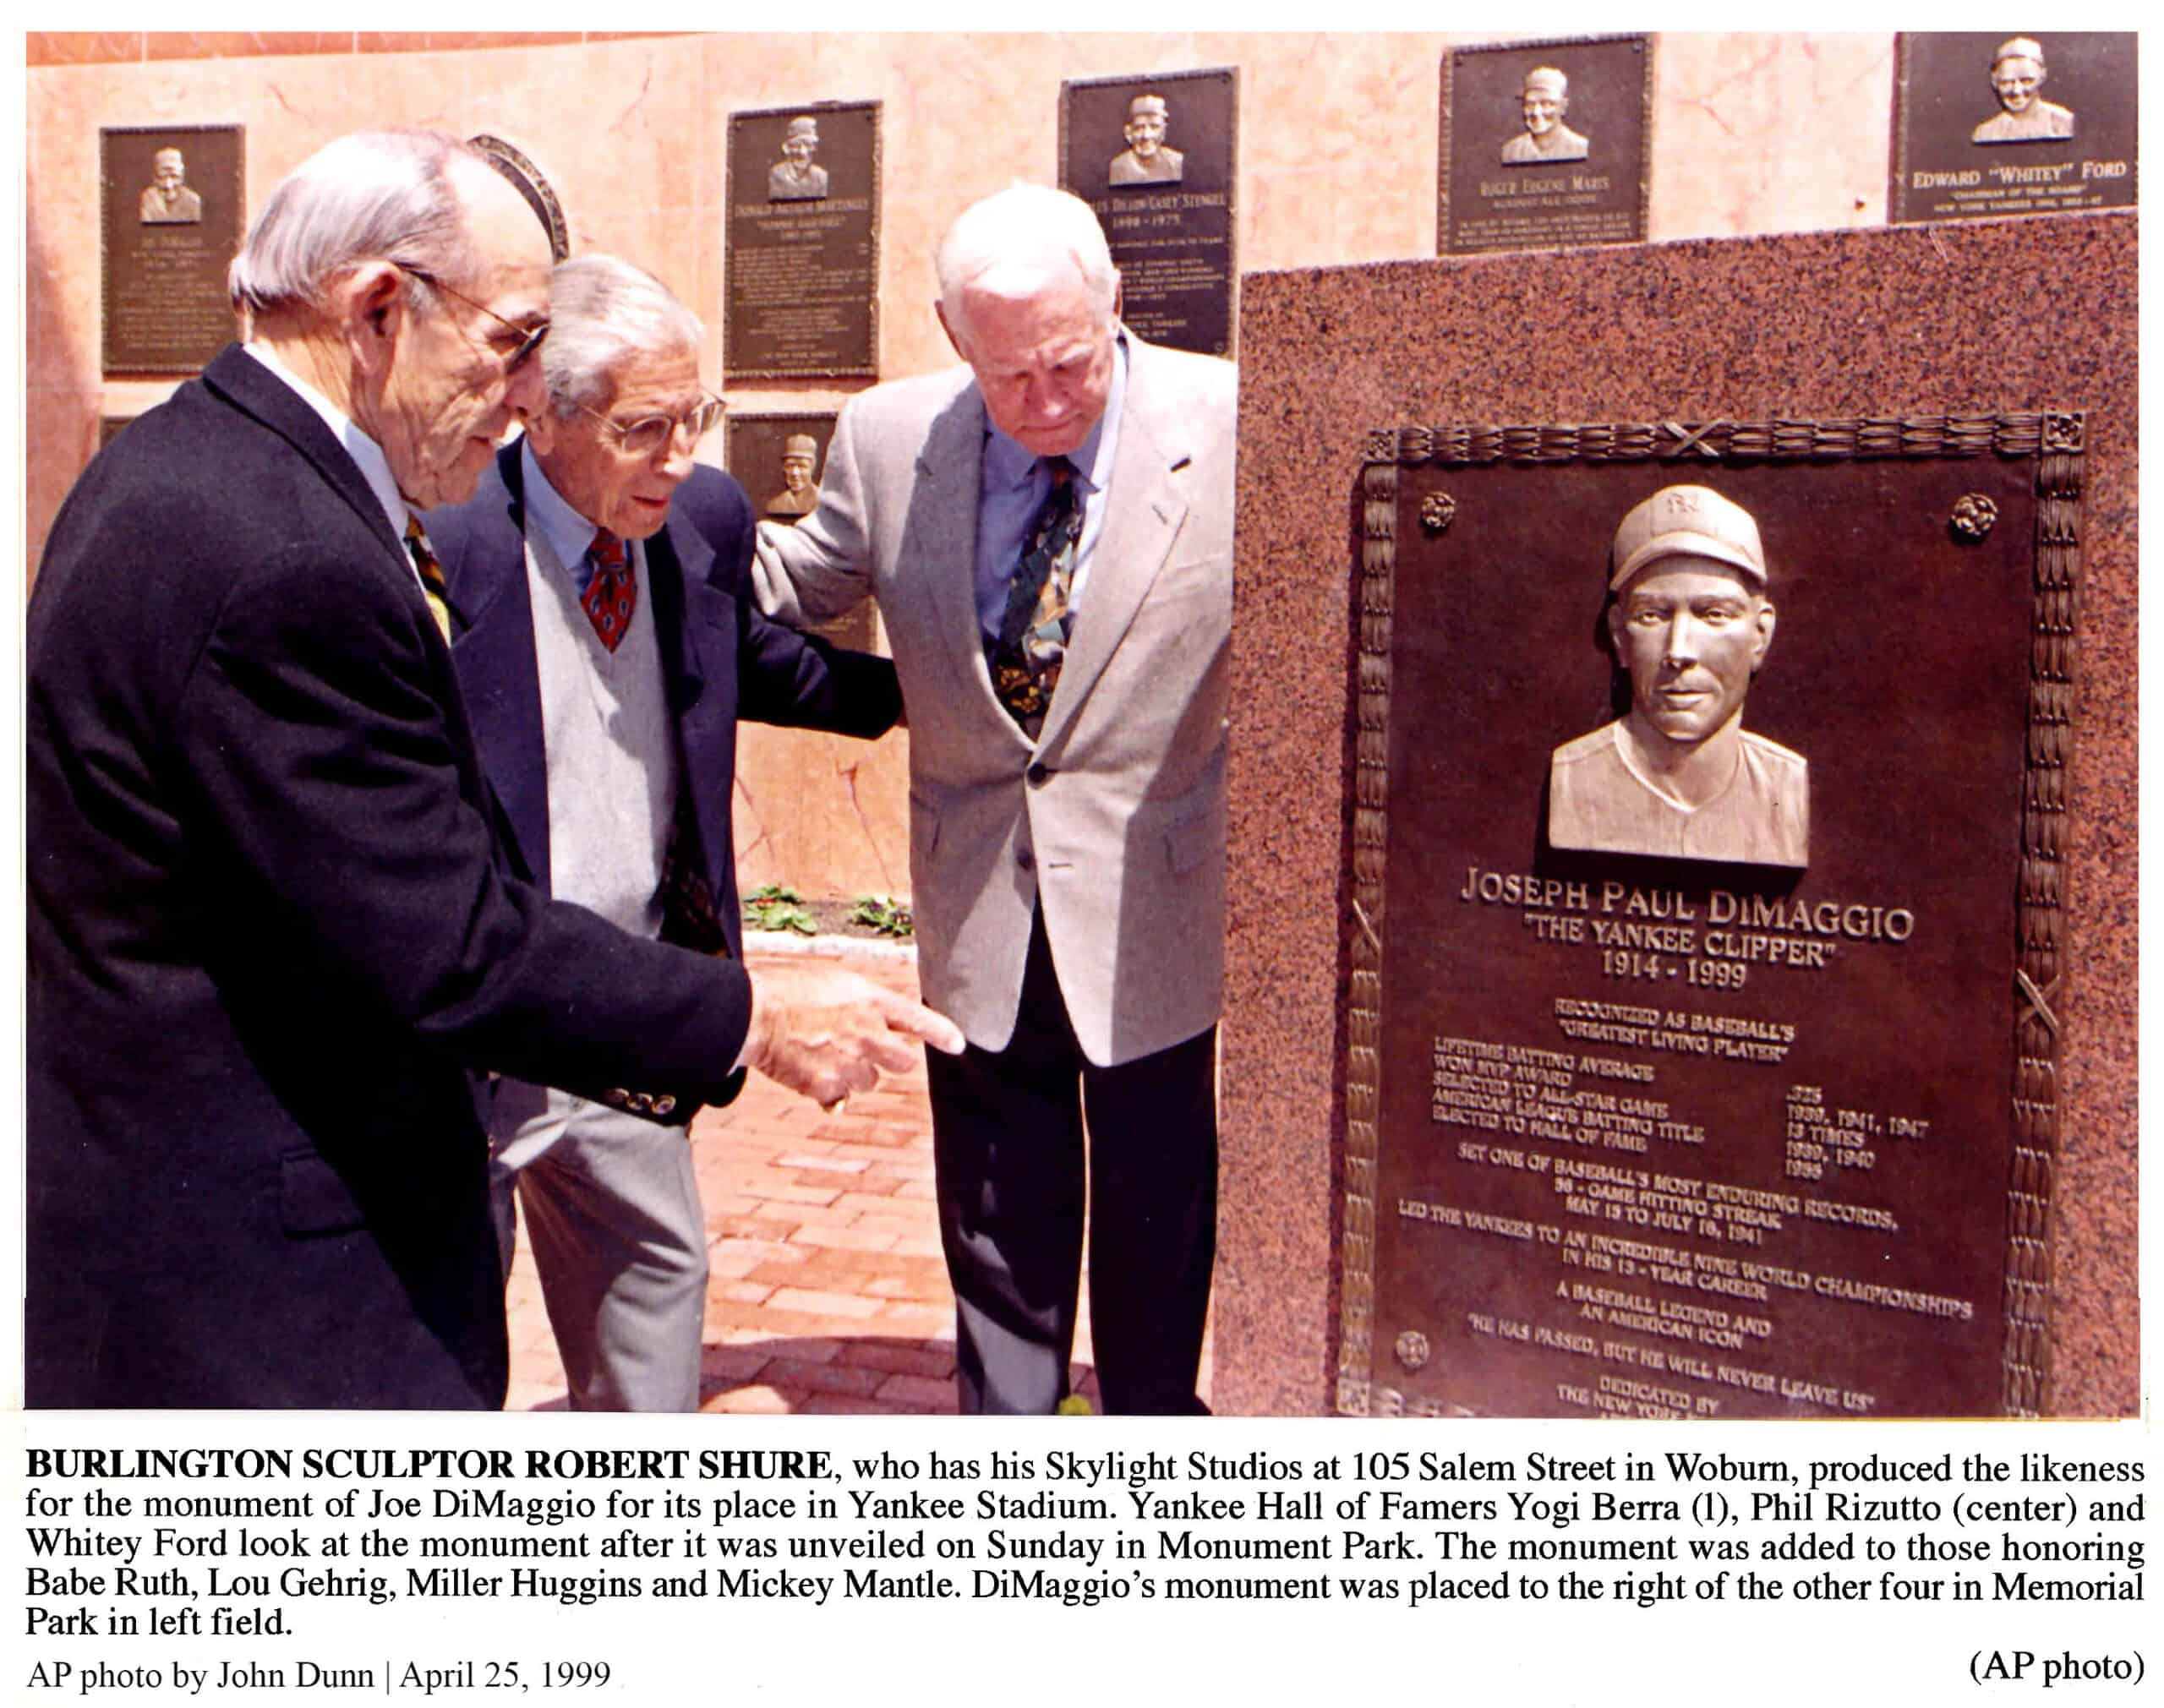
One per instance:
(612, 1218)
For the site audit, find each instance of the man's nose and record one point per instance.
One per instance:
(1682, 644)
(525, 391)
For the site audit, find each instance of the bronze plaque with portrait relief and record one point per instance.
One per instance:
(1707, 936)
(803, 243)
(1987, 124)
(171, 221)
(1157, 159)
(778, 460)
(1545, 144)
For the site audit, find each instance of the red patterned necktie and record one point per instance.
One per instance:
(612, 595)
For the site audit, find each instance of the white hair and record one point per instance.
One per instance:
(374, 195)
(603, 311)
(1026, 224)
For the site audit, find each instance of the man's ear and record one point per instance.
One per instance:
(541, 430)
(1765, 634)
(1119, 288)
(369, 305)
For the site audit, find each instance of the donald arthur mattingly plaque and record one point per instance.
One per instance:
(1706, 937)
(803, 243)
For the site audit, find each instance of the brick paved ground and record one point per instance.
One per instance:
(828, 1290)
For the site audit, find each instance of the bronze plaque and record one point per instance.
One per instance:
(803, 265)
(1706, 933)
(1157, 158)
(1545, 144)
(1986, 124)
(778, 459)
(171, 224)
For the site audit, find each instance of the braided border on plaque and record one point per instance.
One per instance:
(1363, 1013)
(2040, 919)
(2056, 439)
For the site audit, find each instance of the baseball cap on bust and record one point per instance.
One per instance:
(1687, 521)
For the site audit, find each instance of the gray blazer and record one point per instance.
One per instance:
(1115, 817)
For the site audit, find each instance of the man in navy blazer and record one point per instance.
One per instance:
(605, 698)
(272, 919)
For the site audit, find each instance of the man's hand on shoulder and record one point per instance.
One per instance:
(827, 1033)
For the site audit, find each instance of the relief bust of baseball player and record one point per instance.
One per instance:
(1678, 775)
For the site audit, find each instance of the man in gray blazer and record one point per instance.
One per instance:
(1048, 530)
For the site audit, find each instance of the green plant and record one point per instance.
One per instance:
(778, 908)
(885, 915)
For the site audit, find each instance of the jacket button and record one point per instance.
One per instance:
(665, 1104)
(1038, 773)
(1026, 859)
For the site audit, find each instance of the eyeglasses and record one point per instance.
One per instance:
(529, 337)
(653, 433)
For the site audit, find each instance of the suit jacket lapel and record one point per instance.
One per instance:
(1147, 505)
(248, 385)
(695, 626)
(494, 655)
(942, 536)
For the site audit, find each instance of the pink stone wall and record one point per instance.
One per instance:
(1337, 154)
(1823, 326)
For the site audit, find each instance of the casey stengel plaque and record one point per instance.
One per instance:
(1157, 158)
(778, 459)
(1545, 144)
(2041, 122)
(170, 222)
(1706, 939)
(803, 242)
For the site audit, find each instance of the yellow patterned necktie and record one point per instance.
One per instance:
(431, 573)
(1031, 644)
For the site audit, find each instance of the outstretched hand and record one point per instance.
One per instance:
(827, 1033)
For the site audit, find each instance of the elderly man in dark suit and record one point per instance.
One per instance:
(610, 647)
(1048, 529)
(274, 918)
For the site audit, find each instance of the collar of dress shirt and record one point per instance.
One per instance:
(567, 532)
(374, 466)
(1009, 465)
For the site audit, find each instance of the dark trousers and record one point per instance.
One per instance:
(1008, 1143)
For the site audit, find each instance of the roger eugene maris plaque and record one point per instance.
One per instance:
(170, 224)
(1705, 928)
(2033, 122)
(1157, 158)
(803, 242)
(1545, 144)
(779, 460)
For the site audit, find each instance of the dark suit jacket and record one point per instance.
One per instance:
(270, 927)
(721, 660)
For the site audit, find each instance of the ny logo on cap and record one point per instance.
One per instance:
(1684, 502)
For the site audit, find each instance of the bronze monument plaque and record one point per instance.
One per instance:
(1986, 124)
(778, 459)
(1545, 144)
(1706, 917)
(171, 224)
(1157, 158)
(803, 242)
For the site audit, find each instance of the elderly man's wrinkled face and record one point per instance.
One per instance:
(168, 174)
(1041, 352)
(1145, 134)
(453, 391)
(798, 151)
(2017, 80)
(1691, 631)
(607, 482)
(1543, 108)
